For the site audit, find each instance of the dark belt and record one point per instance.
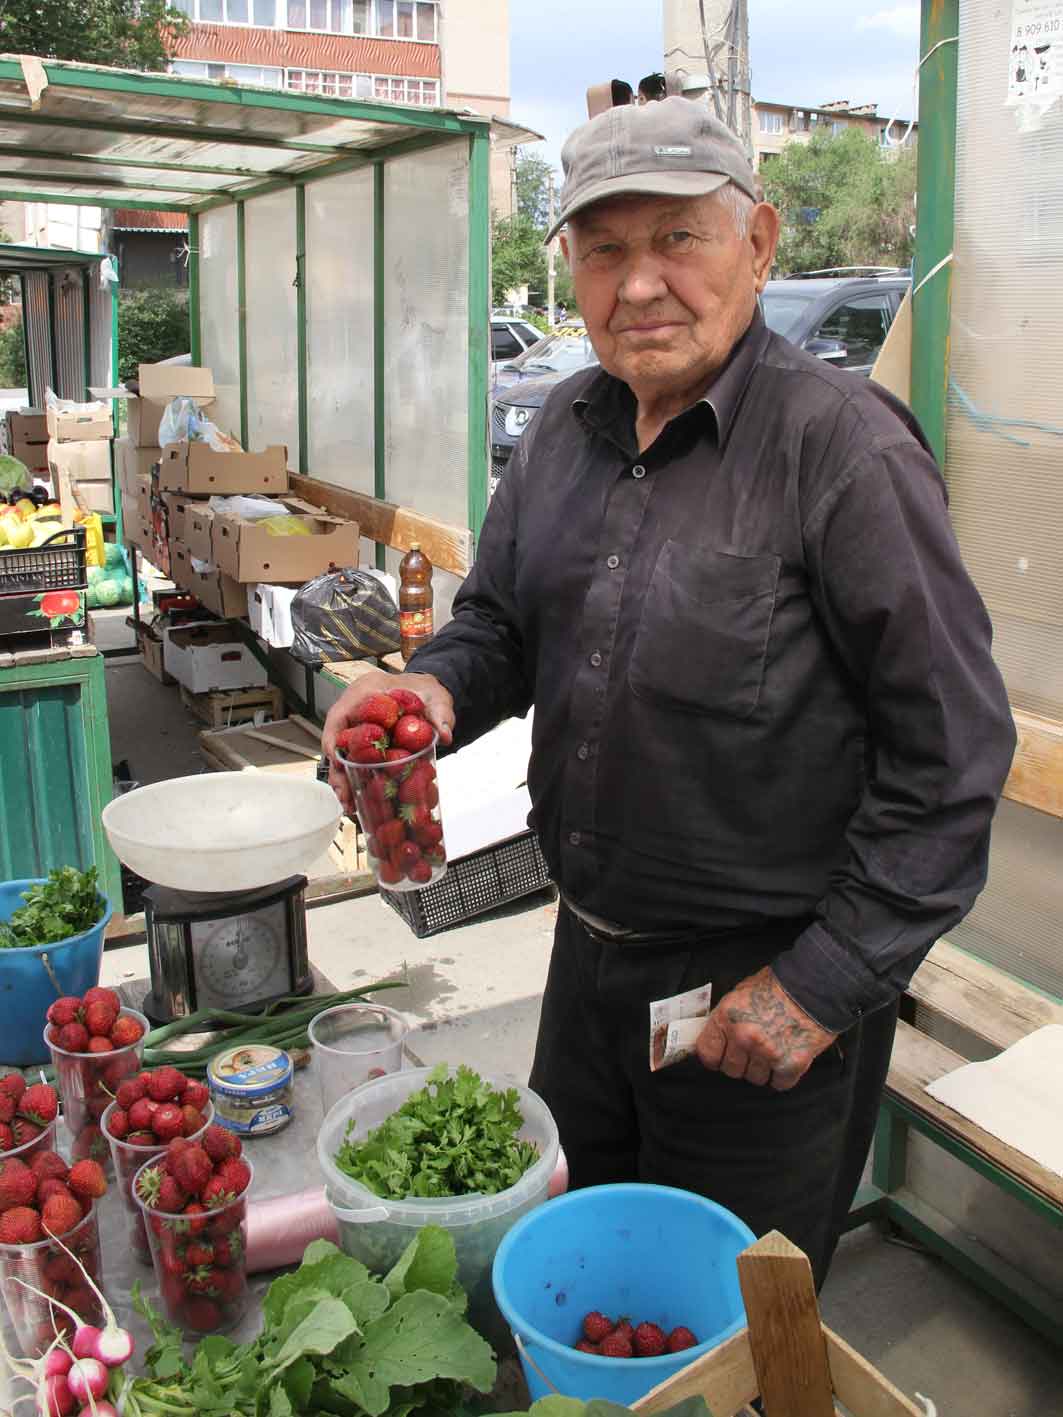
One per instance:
(607, 932)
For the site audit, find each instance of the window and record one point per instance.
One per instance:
(861, 325)
(504, 343)
(770, 122)
(230, 12)
(360, 17)
(422, 93)
(406, 19)
(238, 73)
(838, 125)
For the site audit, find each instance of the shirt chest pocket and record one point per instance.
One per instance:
(703, 634)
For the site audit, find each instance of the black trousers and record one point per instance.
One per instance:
(788, 1161)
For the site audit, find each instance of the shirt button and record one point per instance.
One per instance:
(583, 752)
(596, 660)
(638, 471)
(612, 562)
(574, 838)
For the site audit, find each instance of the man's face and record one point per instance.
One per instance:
(667, 286)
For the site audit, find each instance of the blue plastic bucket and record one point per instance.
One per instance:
(26, 989)
(649, 1253)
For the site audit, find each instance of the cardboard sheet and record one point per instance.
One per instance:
(1015, 1096)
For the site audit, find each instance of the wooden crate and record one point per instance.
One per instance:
(223, 707)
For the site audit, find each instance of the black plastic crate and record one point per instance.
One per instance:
(477, 883)
(59, 564)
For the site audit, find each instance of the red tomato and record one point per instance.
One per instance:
(60, 602)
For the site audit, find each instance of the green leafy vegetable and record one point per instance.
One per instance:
(66, 904)
(456, 1136)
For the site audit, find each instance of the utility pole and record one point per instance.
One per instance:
(711, 37)
(551, 253)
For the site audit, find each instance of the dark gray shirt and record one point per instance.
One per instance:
(762, 677)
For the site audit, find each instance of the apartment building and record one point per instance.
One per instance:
(776, 124)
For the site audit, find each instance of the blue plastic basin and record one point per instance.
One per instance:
(649, 1253)
(25, 987)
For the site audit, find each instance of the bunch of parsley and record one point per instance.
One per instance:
(66, 904)
(456, 1136)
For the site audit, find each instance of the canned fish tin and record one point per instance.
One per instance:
(251, 1087)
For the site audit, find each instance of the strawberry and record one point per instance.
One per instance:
(172, 1200)
(201, 1314)
(99, 1018)
(583, 1346)
(39, 1104)
(364, 743)
(24, 1132)
(388, 874)
(97, 1106)
(216, 1193)
(228, 1249)
(90, 1141)
(416, 815)
(196, 1095)
(168, 1121)
(98, 994)
(615, 1345)
(220, 1144)
(191, 1169)
(416, 781)
(192, 1121)
(118, 1124)
(199, 1256)
(7, 1107)
(126, 1032)
(196, 1217)
(73, 1037)
(380, 709)
(408, 701)
(21, 1225)
(47, 1164)
(141, 1114)
(420, 872)
(99, 1044)
(18, 1184)
(7, 1138)
(650, 1340)
(175, 1148)
(409, 853)
(627, 1328)
(129, 1091)
(413, 733)
(429, 836)
(230, 1283)
(87, 1180)
(596, 1326)
(165, 1084)
(680, 1338)
(142, 1138)
(64, 1010)
(61, 1214)
(389, 835)
(236, 1174)
(51, 1186)
(396, 755)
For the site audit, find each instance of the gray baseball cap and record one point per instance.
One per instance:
(673, 148)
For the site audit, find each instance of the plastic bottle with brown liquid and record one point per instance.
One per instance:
(415, 600)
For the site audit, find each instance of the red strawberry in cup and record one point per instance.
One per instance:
(364, 743)
(412, 733)
(407, 701)
(378, 708)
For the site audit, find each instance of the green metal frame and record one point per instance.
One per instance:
(380, 479)
(241, 313)
(300, 326)
(194, 327)
(85, 671)
(25, 336)
(479, 325)
(53, 353)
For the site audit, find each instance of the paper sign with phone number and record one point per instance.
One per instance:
(1035, 63)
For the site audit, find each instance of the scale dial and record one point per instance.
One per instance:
(241, 959)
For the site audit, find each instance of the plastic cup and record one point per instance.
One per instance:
(398, 807)
(49, 1269)
(354, 1043)
(128, 1158)
(87, 1083)
(200, 1262)
(29, 1149)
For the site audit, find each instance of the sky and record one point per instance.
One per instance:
(804, 52)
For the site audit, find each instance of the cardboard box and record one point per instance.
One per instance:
(247, 551)
(82, 462)
(136, 524)
(196, 467)
(79, 427)
(28, 427)
(269, 609)
(158, 384)
(218, 592)
(177, 509)
(33, 455)
(151, 654)
(206, 657)
(94, 496)
(196, 530)
(131, 462)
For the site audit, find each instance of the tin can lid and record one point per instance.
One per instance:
(249, 1071)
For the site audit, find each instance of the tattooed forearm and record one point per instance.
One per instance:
(758, 1033)
(787, 1028)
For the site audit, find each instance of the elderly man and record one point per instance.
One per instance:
(769, 734)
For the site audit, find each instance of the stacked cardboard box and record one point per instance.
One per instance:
(79, 458)
(26, 438)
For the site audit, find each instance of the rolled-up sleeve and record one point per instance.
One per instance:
(903, 615)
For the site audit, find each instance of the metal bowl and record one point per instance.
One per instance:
(222, 831)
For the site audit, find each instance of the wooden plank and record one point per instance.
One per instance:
(725, 1378)
(1036, 777)
(449, 548)
(351, 670)
(296, 748)
(862, 1388)
(785, 1333)
(224, 707)
(918, 1060)
(979, 998)
(311, 729)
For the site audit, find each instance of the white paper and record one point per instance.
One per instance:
(1016, 1096)
(470, 829)
(675, 1024)
(1035, 59)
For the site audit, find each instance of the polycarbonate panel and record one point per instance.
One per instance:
(70, 333)
(219, 327)
(272, 343)
(339, 338)
(426, 305)
(37, 323)
(1005, 456)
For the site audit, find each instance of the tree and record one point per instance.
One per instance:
(12, 358)
(129, 34)
(533, 189)
(152, 325)
(844, 201)
(518, 256)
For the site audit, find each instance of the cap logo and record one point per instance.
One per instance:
(672, 152)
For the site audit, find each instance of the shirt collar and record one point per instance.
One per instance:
(609, 405)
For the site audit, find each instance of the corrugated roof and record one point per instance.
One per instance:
(130, 219)
(297, 49)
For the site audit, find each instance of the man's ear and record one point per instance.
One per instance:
(764, 236)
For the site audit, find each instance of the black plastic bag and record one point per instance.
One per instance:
(346, 614)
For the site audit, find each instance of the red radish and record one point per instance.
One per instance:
(114, 1346)
(87, 1379)
(57, 1363)
(99, 1409)
(54, 1398)
(85, 1340)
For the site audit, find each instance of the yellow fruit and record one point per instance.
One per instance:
(19, 534)
(25, 508)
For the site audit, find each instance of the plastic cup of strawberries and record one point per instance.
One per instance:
(47, 1267)
(91, 1062)
(389, 755)
(132, 1148)
(199, 1251)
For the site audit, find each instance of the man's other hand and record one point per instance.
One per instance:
(758, 1033)
(439, 707)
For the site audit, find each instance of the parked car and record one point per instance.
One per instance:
(510, 337)
(843, 320)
